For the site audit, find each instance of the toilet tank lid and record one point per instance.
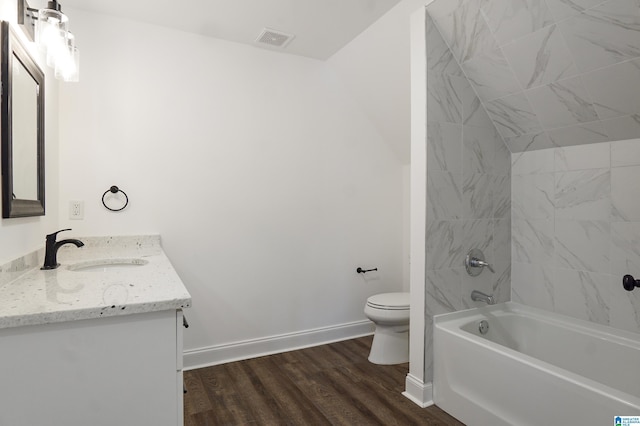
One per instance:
(390, 300)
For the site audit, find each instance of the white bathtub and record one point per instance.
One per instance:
(533, 367)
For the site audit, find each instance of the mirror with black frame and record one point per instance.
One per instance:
(22, 129)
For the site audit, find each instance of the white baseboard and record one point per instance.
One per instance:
(237, 351)
(418, 392)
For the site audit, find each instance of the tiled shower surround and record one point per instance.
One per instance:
(468, 191)
(576, 231)
(533, 110)
(549, 72)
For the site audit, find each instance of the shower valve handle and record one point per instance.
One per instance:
(477, 263)
(629, 283)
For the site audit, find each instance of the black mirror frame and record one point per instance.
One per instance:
(12, 48)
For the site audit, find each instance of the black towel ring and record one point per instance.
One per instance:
(114, 189)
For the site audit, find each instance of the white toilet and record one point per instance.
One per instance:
(390, 313)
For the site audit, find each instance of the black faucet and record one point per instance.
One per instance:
(51, 249)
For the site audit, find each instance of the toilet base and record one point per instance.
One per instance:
(390, 345)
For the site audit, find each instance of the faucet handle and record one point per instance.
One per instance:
(55, 234)
(480, 264)
(474, 262)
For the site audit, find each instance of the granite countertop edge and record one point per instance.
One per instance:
(85, 314)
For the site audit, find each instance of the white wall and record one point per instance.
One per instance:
(375, 66)
(22, 235)
(376, 69)
(268, 184)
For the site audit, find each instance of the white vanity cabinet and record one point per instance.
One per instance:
(121, 370)
(93, 346)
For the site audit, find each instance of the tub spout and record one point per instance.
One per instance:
(478, 296)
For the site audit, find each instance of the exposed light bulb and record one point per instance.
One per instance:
(54, 38)
(49, 27)
(68, 61)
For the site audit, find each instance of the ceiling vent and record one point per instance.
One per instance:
(274, 38)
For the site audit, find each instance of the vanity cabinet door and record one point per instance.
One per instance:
(107, 371)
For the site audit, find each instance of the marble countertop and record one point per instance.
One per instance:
(59, 295)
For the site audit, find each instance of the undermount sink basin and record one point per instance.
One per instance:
(106, 265)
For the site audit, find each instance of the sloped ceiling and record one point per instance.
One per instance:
(320, 27)
(549, 72)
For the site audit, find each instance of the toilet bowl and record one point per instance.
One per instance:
(390, 313)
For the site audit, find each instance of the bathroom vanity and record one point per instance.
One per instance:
(97, 341)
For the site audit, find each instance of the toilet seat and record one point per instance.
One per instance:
(389, 301)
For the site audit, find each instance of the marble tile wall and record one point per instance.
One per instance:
(576, 231)
(550, 73)
(468, 190)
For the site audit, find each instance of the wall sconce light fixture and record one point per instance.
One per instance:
(49, 28)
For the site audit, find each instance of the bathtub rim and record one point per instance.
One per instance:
(455, 318)
(451, 323)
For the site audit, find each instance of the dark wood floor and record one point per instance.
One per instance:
(326, 385)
